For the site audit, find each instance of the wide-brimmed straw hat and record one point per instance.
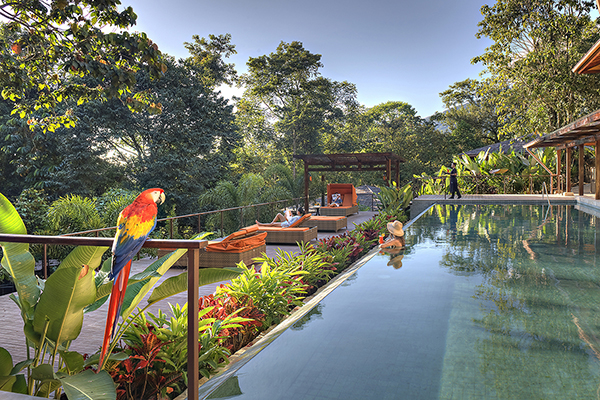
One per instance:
(396, 261)
(395, 228)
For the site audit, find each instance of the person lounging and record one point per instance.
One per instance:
(284, 220)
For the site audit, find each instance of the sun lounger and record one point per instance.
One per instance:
(291, 234)
(326, 223)
(243, 245)
(349, 204)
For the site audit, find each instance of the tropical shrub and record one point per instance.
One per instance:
(142, 376)
(273, 291)
(111, 203)
(161, 342)
(342, 250)
(223, 307)
(32, 206)
(227, 194)
(317, 266)
(393, 198)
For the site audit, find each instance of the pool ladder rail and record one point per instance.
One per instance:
(545, 190)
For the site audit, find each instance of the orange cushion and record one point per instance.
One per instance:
(298, 222)
(239, 244)
(327, 217)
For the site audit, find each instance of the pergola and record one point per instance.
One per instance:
(583, 132)
(350, 162)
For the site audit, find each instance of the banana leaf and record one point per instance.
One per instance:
(68, 290)
(17, 259)
(88, 385)
(178, 284)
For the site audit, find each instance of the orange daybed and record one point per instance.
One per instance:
(243, 245)
(349, 204)
(292, 234)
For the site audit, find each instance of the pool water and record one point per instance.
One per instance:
(486, 302)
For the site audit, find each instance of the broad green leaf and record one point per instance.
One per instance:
(6, 363)
(104, 291)
(20, 386)
(73, 360)
(83, 255)
(7, 382)
(136, 292)
(43, 372)
(179, 283)
(17, 259)
(89, 385)
(68, 291)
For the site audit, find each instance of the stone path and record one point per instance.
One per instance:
(90, 339)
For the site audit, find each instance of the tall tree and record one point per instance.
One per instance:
(295, 95)
(395, 127)
(536, 43)
(208, 58)
(185, 149)
(45, 42)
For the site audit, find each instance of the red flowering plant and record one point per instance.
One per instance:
(142, 375)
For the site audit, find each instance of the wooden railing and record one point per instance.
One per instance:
(193, 247)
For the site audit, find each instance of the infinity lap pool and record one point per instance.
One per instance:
(486, 302)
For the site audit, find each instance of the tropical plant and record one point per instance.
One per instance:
(317, 267)
(140, 376)
(392, 198)
(227, 194)
(273, 290)
(53, 316)
(110, 204)
(282, 183)
(223, 306)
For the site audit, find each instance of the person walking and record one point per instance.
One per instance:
(454, 182)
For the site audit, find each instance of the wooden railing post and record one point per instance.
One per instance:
(192, 344)
(45, 261)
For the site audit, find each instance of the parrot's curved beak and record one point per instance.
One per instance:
(161, 199)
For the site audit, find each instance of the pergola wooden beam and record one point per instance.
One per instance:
(584, 131)
(350, 162)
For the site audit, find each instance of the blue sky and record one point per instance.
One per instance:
(391, 50)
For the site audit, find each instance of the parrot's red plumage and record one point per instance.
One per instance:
(135, 223)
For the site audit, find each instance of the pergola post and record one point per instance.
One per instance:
(397, 173)
(597, 165)
(388, 171)
(305, 186)
(568, 169)
(581, 169)
(558, 170)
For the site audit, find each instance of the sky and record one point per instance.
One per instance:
(395, 50)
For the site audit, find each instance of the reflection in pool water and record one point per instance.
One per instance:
(491, 302)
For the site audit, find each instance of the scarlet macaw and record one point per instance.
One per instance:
(135, 223)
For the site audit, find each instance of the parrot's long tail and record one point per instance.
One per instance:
(117, 296)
